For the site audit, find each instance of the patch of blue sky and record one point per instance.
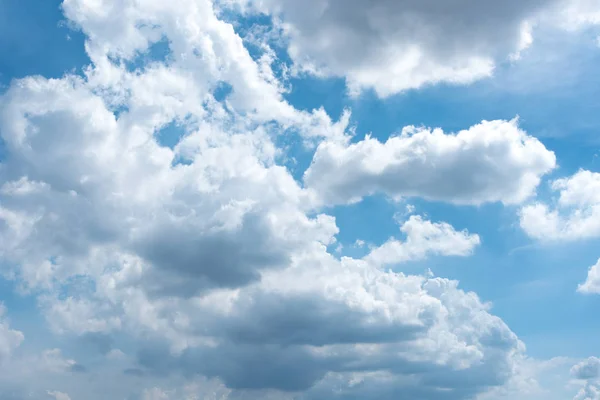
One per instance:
(159, 51)
(36, 41)
(171, 134)
(222, 91)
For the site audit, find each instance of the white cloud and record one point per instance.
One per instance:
(590, 391)
(204, 52)
(574, 215)
(588, 371)
(392, 46)
(115, 354)
(208, 258)
(490, 162)
(424, 238)
(58, 395)
(141, 225)
(592, 283)
(577, 14)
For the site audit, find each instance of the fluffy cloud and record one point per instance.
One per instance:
(589, 392)
(208, 257)
(592, 283)
(186, 218)
(490, 162)
(204, 52)
(424, 238)
(588, 371)
(399, 325)
(575, 215)
(392, 46)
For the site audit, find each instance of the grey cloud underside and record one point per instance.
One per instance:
(443, 27)
(392, 46)
(297, 369)
(223, 259)
(306, 320)
(102, 342)
(187, 254)
(267, 344)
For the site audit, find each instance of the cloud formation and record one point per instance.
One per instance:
(424, 238)
(575, 214)
(494, 161)
(391, 46)
(204, 249)
(592, 283)
(588, 371)
(208, 254)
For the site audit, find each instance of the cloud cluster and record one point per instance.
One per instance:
(574, 215)
(209, 254)
(588, 371)
(592, 283)
(217, 261)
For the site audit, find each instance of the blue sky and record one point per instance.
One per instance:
(175, 209)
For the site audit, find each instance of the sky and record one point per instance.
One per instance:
(273, 199)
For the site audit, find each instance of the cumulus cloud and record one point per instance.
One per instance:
(204, 52)
(494, 161)
(399, 326)
(391, 46)
(574, 215)
(588, 371)
(208, 254)
(424, 238)
(592, 283)
(589, 392)
(208, 258)
(187, 219)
